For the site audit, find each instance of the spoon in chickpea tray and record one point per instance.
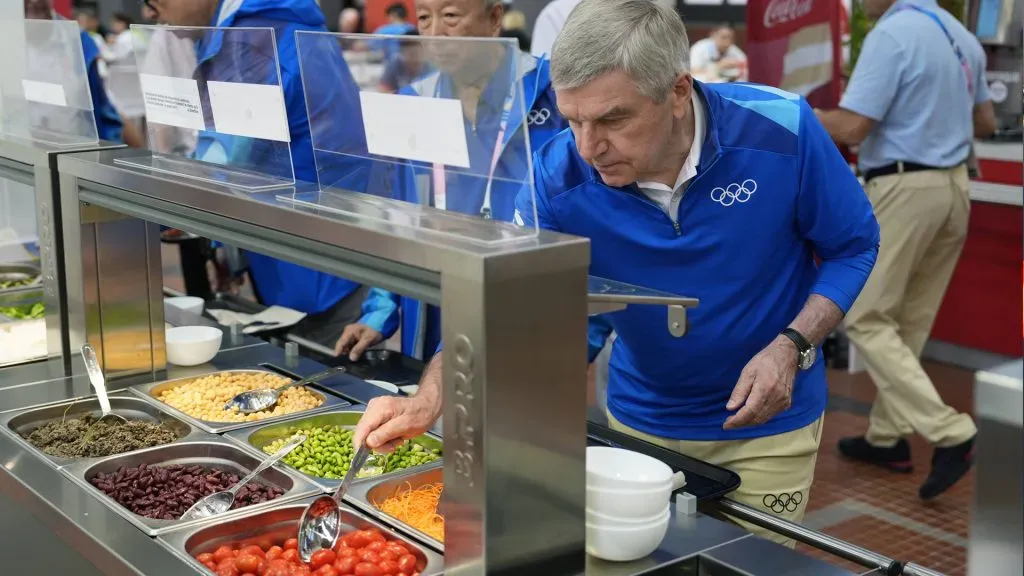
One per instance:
(259, 400)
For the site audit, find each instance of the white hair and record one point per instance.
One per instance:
(643, 38)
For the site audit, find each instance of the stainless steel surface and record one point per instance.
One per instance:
(760, 557)
(997, 529)
(258, 400)
(35, 163)
(365, 495)
(151, 392)
(495, 297)
(256, 438)
(277, 525)
(912, 569)
(320, 525)
(604, 295)
(821, 541)
(21, 422)
(209, 452)
(220, 502)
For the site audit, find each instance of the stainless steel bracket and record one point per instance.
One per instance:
(604, 295)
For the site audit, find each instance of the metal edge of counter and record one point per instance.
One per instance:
(998, 392)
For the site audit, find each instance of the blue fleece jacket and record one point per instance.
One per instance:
(241, 56)
(771, 192)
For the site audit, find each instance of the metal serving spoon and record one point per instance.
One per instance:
(92, 366)
(259, 400)
(220, 502)
(320, 525)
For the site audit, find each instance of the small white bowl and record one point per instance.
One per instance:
(628, 503)
(625, 544)
(192, 345)
(620, 469)
(385, 385)
(598, 519)
(190, 304)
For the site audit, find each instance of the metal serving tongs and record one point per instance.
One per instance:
(99, 383)
(320, 526)
(259, 400)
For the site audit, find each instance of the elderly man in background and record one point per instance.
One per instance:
(916, 98)
(725, 192)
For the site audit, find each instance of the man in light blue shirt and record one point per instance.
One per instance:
(916, 100)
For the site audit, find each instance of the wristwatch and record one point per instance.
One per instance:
(806, 353)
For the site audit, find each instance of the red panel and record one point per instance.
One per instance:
(984, 307)
(62, 7)
(376, 13)
(1001, 172)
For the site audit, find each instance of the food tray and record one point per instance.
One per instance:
(705, 481)
(278, 524)
(17, 422)
(152, 390)
(209, 452)
(365, 493)
(254, 439)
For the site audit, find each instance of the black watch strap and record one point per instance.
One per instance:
(802, 345)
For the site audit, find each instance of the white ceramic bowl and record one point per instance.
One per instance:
(598, 519)
(628, 503)
(625, 544)
(192, 345)
(190, 304)
(620, 469)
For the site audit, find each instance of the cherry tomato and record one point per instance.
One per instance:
(390, 555)
(389, 567)
(249, 574)
(223, 553)
(397, 548)
(205, 557)
(407, 564)
(278, 570)
(254, 550)
(227, 570)
(301, 571)
(291, 544)
(210, 565)
(327, 570)
(370, 556)
(248, 563)
(290, 554)
(274, 552)
(401, 574)
(345, 566)
(358, 539)
(322, 558)
(367, 569)
(376, 536)
(375, 546)
(347, 553)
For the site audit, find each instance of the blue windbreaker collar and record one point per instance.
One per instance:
(305, 12)
(711, 145)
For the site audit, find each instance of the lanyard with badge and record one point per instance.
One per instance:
(964, 64)
(439, 176)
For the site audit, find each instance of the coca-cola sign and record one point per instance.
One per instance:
(784, 11)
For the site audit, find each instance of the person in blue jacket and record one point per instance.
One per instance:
(723, 192)
(330, 302)
(469, 194)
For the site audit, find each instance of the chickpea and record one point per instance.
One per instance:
(204, 397)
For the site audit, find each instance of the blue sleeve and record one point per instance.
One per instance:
(598, 331)
(380, 311)
(834, 215)
(981, 92)
(108, 121)
(532, 207)
(876, 78)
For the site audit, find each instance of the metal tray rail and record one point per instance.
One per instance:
(151, 391)
(254, 439)
(277, 524)
(364, 494)
(703, 480)
(24, 420)
(211, 452)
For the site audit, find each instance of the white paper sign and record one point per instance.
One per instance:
(415, 128)
(44, 92)
(252, 110)
(172, 101)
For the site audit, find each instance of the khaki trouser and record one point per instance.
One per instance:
(923, 218)
(775, 471)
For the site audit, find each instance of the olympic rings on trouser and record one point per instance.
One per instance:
(783, 502)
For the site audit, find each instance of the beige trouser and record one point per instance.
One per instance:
(923, 218)
(775, 471)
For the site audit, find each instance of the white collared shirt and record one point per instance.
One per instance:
(668, 198)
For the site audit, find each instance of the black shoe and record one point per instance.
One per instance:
(896, 458)
(949, 465)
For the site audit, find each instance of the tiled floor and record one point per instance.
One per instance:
(880, 510)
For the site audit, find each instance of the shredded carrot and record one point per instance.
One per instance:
(417, 508)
